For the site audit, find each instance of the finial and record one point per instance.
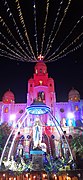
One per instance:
(40, 57)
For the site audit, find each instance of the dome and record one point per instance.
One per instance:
(40, 67)
(73, 95)
(8, 97)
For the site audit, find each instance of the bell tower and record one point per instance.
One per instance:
(41, 87)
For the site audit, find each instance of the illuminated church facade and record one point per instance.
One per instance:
(41, 88)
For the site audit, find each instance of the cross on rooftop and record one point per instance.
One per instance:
(40, 57)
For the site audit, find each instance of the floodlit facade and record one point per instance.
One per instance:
(41, 89)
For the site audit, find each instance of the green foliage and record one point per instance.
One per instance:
(5, 130)
(77, 144)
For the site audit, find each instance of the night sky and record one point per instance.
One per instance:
(67, 72)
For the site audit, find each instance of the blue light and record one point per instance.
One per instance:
(38, 109)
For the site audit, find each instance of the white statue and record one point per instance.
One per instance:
(37, 133)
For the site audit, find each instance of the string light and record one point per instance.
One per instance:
(11, 45)
(5, 53)
(9, 55)
(9, 50)
(44, 27)
(57, 15)
(64, 55)
(60, 23)
(72, 43)
(16, 27)
(11, 35)
(35, 21)
(24, 27)
(20, 50)
(67, 36)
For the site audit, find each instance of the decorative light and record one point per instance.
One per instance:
(64, 55)
(15, 25)
(49, 39)
(40, 57)
(38, 108)
(72, 43)
(26, 175)
(12, 46)
(40, 82)
(70, 115)
(34, 177)
(60, 23)
(10, 50)
(24, 27)
(55, 177)
(66, 37)
(44, 27)
(12, 117)
(11, 35)
(35, 21)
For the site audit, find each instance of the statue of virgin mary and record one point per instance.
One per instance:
(37, 133)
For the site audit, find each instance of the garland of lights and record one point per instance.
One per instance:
(11, 35)
(23, 26)
(21, 51)
(44, 27)
(9, 55)
(35, 22)
(72, 43)
(60, 23)
(11, 45)
(57, 15)
(14, 54)
(10, 50)
(64, 55)
(67, 37)
(15, 25)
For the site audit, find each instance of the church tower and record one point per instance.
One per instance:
(41, 87)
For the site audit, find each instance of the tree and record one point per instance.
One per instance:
(5, 130)
(77, 144)
(77, 147)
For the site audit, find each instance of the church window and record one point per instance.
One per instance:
(40, 82)
(21, 111)
(71, 99)
(31, 99)
(41, 95)
(61, 110)
(76, 108)
(6, 110)
(30, 85)
(75, 98)
(40, 70)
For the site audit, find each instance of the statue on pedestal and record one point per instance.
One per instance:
(37, 133)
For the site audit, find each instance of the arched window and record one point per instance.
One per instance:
(41, 95)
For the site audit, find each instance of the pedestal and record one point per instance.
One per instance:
(37, 159)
